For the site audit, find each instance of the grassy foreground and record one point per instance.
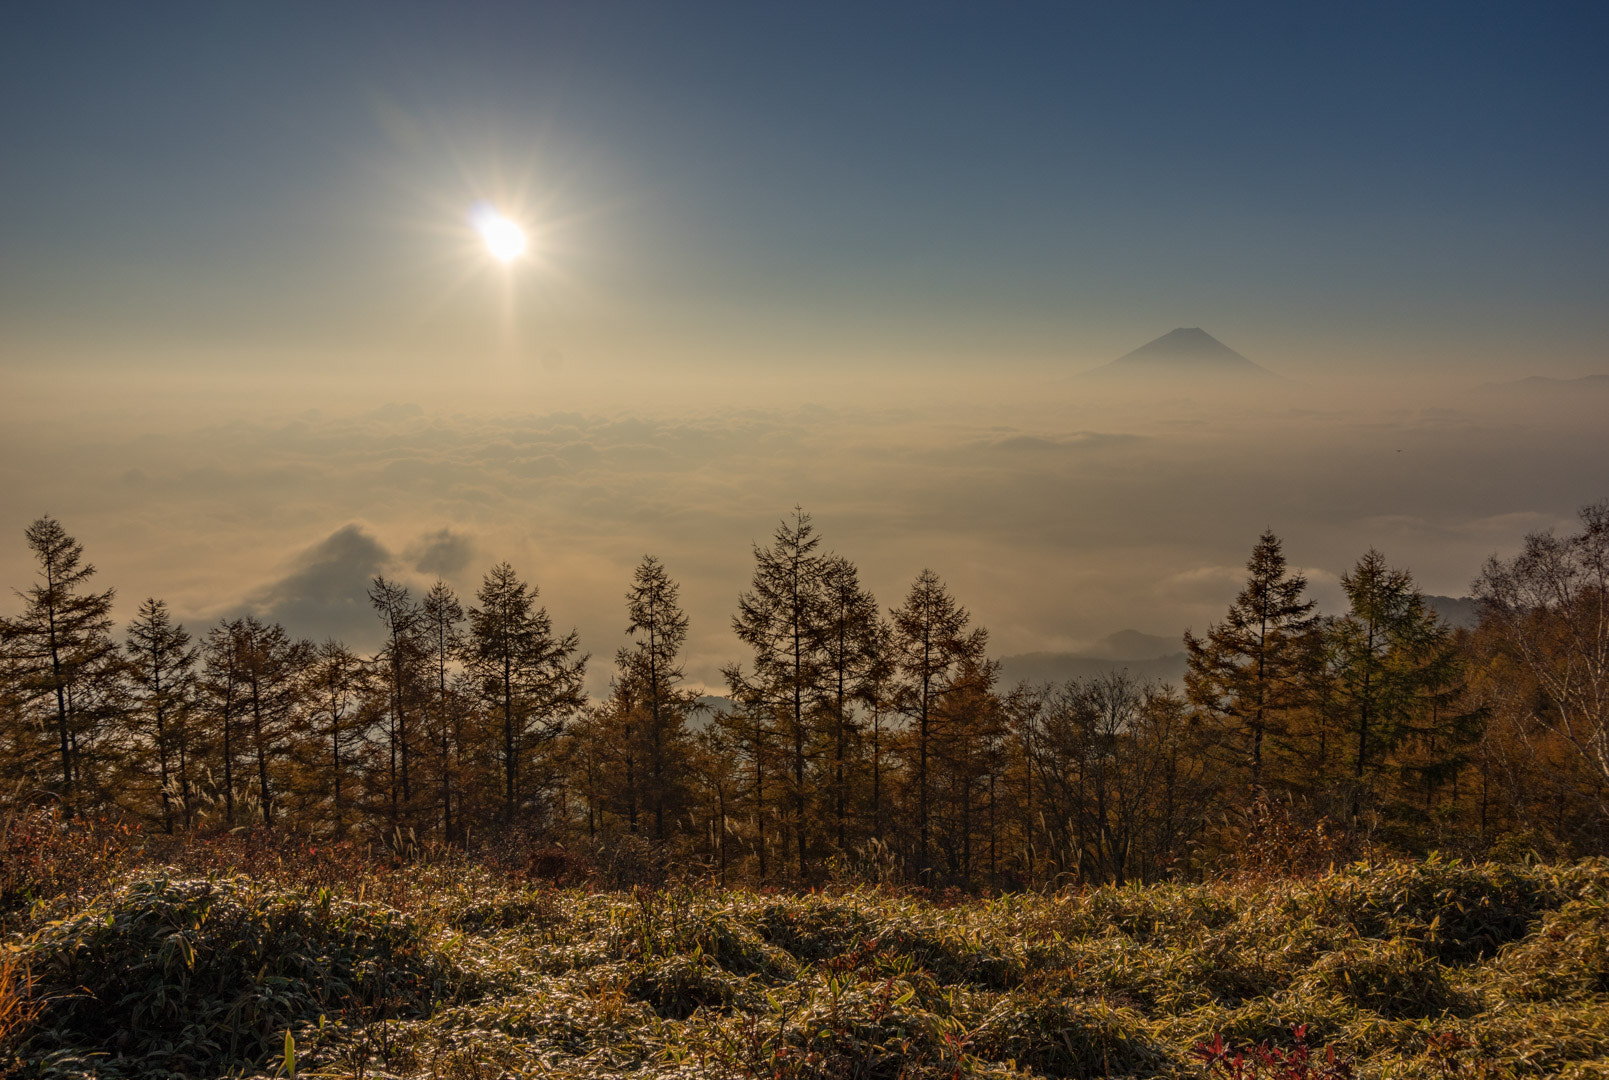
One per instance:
(450, 969)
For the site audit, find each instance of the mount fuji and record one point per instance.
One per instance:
(1189, 351)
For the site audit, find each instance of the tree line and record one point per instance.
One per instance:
(853, 741)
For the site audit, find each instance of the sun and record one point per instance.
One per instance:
(504, 240)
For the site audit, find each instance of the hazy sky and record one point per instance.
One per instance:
(849, 256)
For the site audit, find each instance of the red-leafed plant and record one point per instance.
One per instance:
(1268, 1062)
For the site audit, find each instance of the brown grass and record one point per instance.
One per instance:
(19, 1007)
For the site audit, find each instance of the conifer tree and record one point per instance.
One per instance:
(652, 663)
(1385, 659)
(933, 649)
(1377, 718)
(750, 732)
(1025, 709)
(337, 681)
(879, 697)
(221, 692)
(399, 658)
(714, 763)
(587, 765)
(442, 641)
(1120, 781)
(1248, 671)
(528, 676)
(964, 758)
(270, 664)
(780, 618)
(850, 644)
(59, 647)
(162, 661)
(619, 724)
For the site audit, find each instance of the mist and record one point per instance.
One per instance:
(1059, 508)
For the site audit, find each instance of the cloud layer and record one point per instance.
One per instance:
(1055, 519)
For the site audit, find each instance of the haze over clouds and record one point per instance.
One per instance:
(1057, 516)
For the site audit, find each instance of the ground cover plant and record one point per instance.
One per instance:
(259, 955)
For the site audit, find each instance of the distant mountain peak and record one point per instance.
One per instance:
(1185, 350)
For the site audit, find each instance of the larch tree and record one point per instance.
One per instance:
(337, 680)
(879, 698)
(1442, 720)
(57, 648)
(530, 677)
(964, 758)
(162, 659)
(652, 662)
(399, 658)
(780, 619)
(270, 669)
(932, 649)
(442, 641)
(588, 761)
(1024, 709)
(1383, 668)
(850, 647)
(618, 723)
(1248, 673)
(714, 763)
(751, 732)
(221, 694)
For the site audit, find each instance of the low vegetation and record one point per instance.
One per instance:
(254, 954)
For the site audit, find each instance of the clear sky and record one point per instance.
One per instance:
(846, 255)
(1327, 187)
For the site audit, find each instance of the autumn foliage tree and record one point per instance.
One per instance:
(528, 676)
(1249, 673)
(652, 661)
(1544, 637)
(1389, 655)
(937, 658)
(854, 743)
(62, 665)
(162, 660)
(780, 619)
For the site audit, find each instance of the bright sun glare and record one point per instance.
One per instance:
(504, 239)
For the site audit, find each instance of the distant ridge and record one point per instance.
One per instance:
(1189, 350)
(1544, 382)
(1147, 657)
(1456, 611)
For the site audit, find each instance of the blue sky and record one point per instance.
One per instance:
(1345, 187)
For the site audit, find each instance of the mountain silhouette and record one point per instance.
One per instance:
(1189, 350)
(1147, 657)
